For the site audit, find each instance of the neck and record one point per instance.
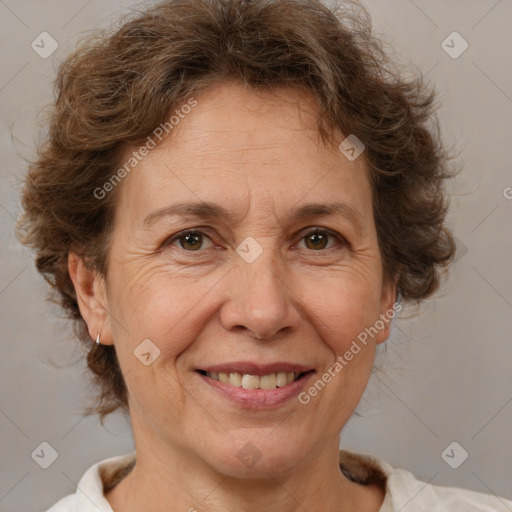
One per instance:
(169, 479)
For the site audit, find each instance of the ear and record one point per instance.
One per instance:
(388, 308)
(91, 297)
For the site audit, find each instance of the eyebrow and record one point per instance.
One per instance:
(210, 210)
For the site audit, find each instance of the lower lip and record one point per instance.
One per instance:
(258, 398)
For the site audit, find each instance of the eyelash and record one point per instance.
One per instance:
(332, 234)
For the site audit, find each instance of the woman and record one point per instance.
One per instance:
(233, 201)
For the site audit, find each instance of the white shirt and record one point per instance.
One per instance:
(404, 492)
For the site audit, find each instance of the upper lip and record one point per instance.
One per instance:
(250, 368)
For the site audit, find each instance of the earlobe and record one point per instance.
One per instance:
(91, 297)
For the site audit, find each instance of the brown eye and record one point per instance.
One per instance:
(318, 240)
(190, 240)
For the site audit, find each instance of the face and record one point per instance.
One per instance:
(244, 245)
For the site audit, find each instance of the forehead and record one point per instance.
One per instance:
(237, 145)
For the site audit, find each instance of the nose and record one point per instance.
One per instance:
(261, 301)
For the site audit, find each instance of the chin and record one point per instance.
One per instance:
(249, 454)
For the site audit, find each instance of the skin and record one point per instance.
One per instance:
(258, 155)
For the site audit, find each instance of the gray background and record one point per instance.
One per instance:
(446, 373)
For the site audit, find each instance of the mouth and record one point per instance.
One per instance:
(256, 386)
(272, 380)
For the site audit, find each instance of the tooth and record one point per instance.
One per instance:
(268, 381)
(281, 379)
(235, 379)
(250, 381)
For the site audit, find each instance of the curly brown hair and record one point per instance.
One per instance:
(120, 84)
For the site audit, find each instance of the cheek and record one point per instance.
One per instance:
(343, 309)
(149, 303)
(156, 314)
